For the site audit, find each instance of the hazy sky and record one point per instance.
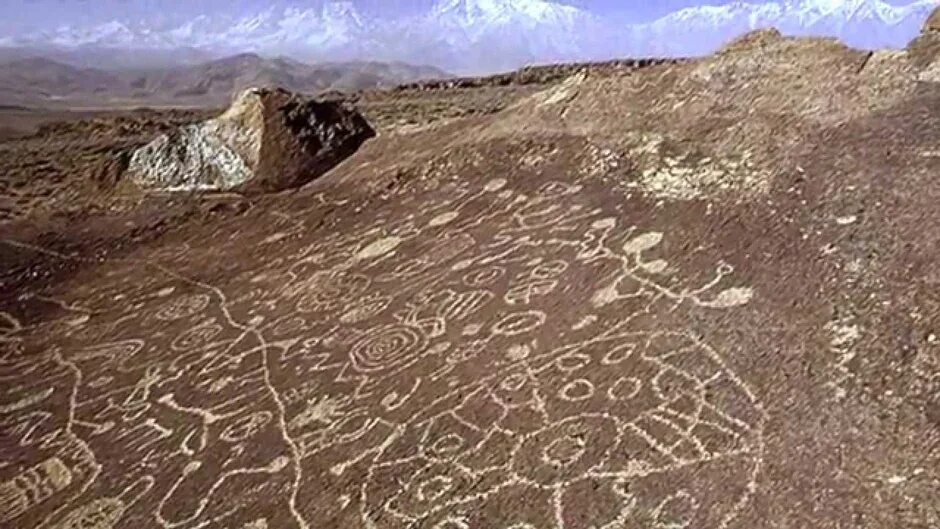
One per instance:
(44, 14)
(23, 16)
(449, 45)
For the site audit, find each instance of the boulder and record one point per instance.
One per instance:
(267, 140)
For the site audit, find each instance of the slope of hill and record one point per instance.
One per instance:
(111, 58)
(45, 83)
(46, 78)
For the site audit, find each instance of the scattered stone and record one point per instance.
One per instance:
(846, 220)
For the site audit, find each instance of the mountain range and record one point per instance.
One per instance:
(473, 36)
(42, 82)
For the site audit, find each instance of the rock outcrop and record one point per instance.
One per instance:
(268, 140)
(925, 48)
(723, 125)
(932, 24)
(759, 38)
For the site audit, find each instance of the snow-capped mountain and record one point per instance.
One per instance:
(860, 23)
(113, 34)
(477, 35)
(499, 34)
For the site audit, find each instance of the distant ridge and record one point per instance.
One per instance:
(40, 81)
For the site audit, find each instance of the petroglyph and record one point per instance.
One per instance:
(33, 486)
(379, 247)
(443, 218)
(682, 176)
(26, 402)
(183, 307)
(418, 388)
(519, 323)
(387, 347)
(845, 334)
(329, 290)
(366, 308)
(319, 410)
(641, 243)
(104, 513)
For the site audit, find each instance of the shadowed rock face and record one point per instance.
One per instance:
(268, 140)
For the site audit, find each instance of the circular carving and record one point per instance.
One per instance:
(624, 388)
(447, 445)
(577, 390)
(549, 270)
(618, 354)
(565, 449)
(483, 276)
(387, 348)
(435, 487)
(572, 362)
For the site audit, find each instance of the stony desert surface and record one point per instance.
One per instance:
(658, 294)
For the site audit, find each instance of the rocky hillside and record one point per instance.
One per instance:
(698, 294)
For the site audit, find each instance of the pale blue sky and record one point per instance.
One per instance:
(456, 45)
(24, 19)
(45, 14)
(19, 15)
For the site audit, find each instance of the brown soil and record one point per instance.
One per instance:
(694, 295)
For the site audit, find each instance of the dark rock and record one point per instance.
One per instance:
(268, 140)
